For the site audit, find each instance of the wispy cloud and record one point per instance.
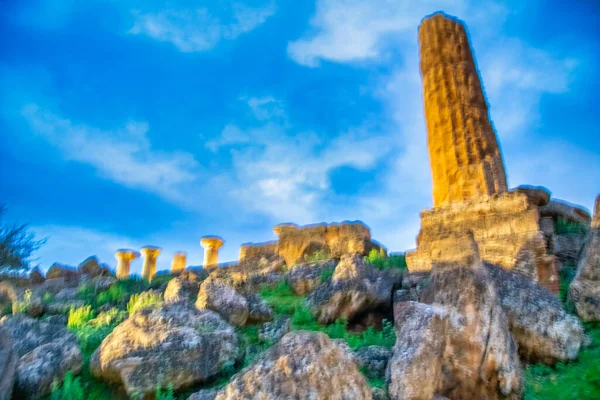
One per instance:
(196, 30)
(124, 155)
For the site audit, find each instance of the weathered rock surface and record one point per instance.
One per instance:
(92, 267)
(561, 209)
(174, 345)
(62, 306)
(258, 310)
(271, 332)
(302, 365)
(542, 329)
(584, 291)
(219, 297)
(304, 278)
(46, 351)
(8, 364)
(205, 394)
(185, 287)
(36, 277)
(568, 247)
(354, 288)
(62, 271)
(415, 369)
(480, 358)
(23, 300)
(373, 359)
(46, 363)
(538, 195)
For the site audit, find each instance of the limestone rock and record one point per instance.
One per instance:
(204, 394)
(480, 357)
(559, 209)
(185, 287)
(62, 306)
(302, 365)
(304, 278)
(62, 271)
(379, 394)
(101, 282)
(46, 351)
(174, 345)
(271, 332)
(357, 288)
(415, 369)
(258, 310)
(22, 300)
(45, 364)
(538, 195)
(373, 359)
(217, 296)
(568, 247)
(542, 329)
(66, 294)
(8, 364)
(91, 266)
(584, 291)
(36, 277)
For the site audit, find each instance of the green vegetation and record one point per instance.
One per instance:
(318, 255)
(79, 316)
(144, 299)
(379, 260)
(24, 305)
(326, 274)
(571, 381)
(563, 226)
(70, 389)
(17, 245)
(167, 394)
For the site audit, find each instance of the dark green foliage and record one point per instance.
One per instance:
(319, 255)
(326, 274)
(167, 394)
(17, 245)
(563, 226)
(573, 381)
(70, 389)
(379, 260)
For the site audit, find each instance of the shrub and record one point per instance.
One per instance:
(79, 316)
(379, 260)
(24, 305)
(326, 274)
(115, 294)
(281, 298)
(318, 255)
(564, 226)
(144, 299)
(69, 390)
(167, 394)
(47, 298)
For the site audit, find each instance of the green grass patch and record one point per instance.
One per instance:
(140, 300)
(381, 261)
(563, 226)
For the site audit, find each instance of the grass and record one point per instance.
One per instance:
(144, 299)
(319, 255)
(70, 389)
(381, 261)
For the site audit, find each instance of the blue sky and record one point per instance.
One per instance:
(126, 123)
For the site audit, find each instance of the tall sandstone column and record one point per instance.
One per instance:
(179, 262)
(211, 245)
(149, 268)
(465, 158)
(124, 258)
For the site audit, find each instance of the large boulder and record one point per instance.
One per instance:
(584, 291)
(480, 358)
(92, 267)
(175, 345)
(559, 209)
(46, 351)
(373, 359)
(62, 271)
(8, 364)
(302, 365)
(355, 288)
(36, 277)
(218, 296)
(567, 248)
(415, 369)
(185, 287)
(258, 310)
(271, 332)
(304, 278)
(542, 329)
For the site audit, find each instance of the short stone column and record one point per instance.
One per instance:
(596, 218)
(124, 258)
(179, 262)
(211, 245)
(149, 268)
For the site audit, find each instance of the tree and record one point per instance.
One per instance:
(17, 244)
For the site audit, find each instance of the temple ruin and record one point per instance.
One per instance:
(211, 245)
(295, 242)
(149, 267)
(470, 191)
(179, 263)
(124, 258)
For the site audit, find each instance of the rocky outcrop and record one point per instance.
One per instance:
(302, 365)
(415, 369)
(355, 288)
(271, 332)
(542, 329)
(584, 291)
(46, 351)
(480, 358)
(304, 278)
(204, 394)
(258, 310)
(175, 345)
(62, 271)
(8, 364)
(184, 287)
(36, 277)
(217, 296)
(92, 267)
(22, 300)
(373, 359)
(295, 242)
(558, 209)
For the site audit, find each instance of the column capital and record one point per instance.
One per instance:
(211, 242)
(150, 251)
(126, 254)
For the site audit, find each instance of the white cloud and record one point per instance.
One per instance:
(123, 155)
(195, 30)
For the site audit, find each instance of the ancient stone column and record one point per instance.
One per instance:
(465, 158)
(124, 258)
(149, 268)
(211, 245)
(179, 263)
(596, 218)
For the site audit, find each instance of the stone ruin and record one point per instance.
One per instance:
(295, 242)
(470, 190)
